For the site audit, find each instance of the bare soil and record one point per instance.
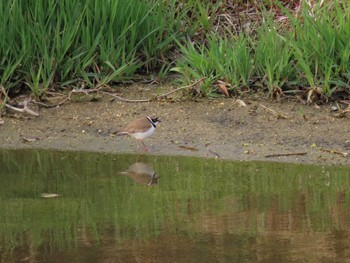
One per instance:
(213, 128)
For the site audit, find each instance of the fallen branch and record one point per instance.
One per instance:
(24, 109)
(285, 154)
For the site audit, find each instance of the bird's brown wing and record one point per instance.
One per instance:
(137, 126)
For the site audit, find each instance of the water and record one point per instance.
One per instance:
(124, 208)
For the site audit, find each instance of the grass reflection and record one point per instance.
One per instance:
(101, 199)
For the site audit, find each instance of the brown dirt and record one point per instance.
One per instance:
(214, 128)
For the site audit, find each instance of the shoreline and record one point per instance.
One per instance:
(220, 128)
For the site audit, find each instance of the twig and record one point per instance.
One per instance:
(123, 99)
(284, 154)
(85, 91)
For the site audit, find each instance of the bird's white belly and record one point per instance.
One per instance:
(143, 135)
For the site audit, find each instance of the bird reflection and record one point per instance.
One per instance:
(142, 173)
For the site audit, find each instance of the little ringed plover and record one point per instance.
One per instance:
(140, 129)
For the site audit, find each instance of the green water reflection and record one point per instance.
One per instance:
(123, 208)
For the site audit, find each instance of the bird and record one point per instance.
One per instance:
(140, 129)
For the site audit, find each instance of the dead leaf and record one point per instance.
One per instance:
(334, 108)
(215, 154)
(28, 139)
(2, 121)
(342, 113)
(188, 148)
(48, 195)
(223, 87)
(241, 103)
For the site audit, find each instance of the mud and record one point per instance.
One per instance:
(213, 128)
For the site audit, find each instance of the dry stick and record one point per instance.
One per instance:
(123, 99)
(284, 154)
(344, 154)
(25, 108)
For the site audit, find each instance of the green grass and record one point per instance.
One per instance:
(272, 59)
(51, 42)
(227, 59)
(320, 47)
(311, 55)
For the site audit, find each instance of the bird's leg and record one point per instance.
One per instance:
(146, 149)
(137, 146)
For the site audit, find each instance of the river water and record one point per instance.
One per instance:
(89, 207)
